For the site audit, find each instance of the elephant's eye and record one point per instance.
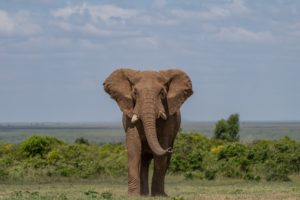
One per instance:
(163, 93)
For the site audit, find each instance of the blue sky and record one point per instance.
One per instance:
(243, 56)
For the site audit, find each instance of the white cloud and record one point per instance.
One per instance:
(19, 23)
(239, 34)
(7, 25)
(68, 11)
(96, 12)
(155, 20)
(95, 20)
(234, 7)
(107, 12)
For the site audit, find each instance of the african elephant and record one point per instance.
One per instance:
(150, 102)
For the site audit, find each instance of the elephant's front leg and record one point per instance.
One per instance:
(134, 160)
(158, 180)
(146, 159)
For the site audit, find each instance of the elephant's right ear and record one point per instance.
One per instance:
(119, 85)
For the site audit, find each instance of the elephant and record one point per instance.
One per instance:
(150, 102)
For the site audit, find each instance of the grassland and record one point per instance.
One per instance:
(177, 187)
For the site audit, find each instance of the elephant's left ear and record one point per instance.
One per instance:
(119, 85)
(179, 88)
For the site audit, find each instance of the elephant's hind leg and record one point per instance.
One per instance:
(146, 160)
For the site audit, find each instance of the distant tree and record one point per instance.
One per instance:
(233, 123)
(228, 129)
(82, 140)
(221, 129)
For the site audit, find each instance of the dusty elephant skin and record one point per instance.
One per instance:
(150, 102)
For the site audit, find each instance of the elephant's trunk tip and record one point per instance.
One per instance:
(169, 150)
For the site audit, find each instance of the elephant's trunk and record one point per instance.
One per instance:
(150, 132)
(148, 118)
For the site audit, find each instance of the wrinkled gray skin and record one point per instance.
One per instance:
(150, 102)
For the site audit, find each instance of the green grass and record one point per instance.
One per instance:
(177, 187)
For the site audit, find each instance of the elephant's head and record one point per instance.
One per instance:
(149, 95)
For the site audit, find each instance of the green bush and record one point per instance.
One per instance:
(194, 156)
(6, 148)
(188, 152)
(210, 174)
(276, 172)
(260, 151)
(38, 145)
(233, 150)
(88, 161)
(82, 140)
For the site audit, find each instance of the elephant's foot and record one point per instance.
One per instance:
(134, 192)
(134, 187)
(144, 192)
(157, 193)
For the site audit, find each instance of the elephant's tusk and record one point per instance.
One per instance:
(163, 115)
(134, 118)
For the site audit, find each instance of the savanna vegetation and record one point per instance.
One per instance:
(201, 167)
(195, 156)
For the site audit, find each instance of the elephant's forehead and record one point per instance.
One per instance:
(151, 80)
(150, 75)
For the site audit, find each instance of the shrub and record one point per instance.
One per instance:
(210, 174)
(251, 177)
(6, 148)
(82, 140)
(260, 151)
(38, 145)
(231, 150)
(276, 172)
(233, 161)
(189, 152)
(194, 156)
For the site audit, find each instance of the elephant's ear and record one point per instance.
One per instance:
(119, 85)
(179, 88)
